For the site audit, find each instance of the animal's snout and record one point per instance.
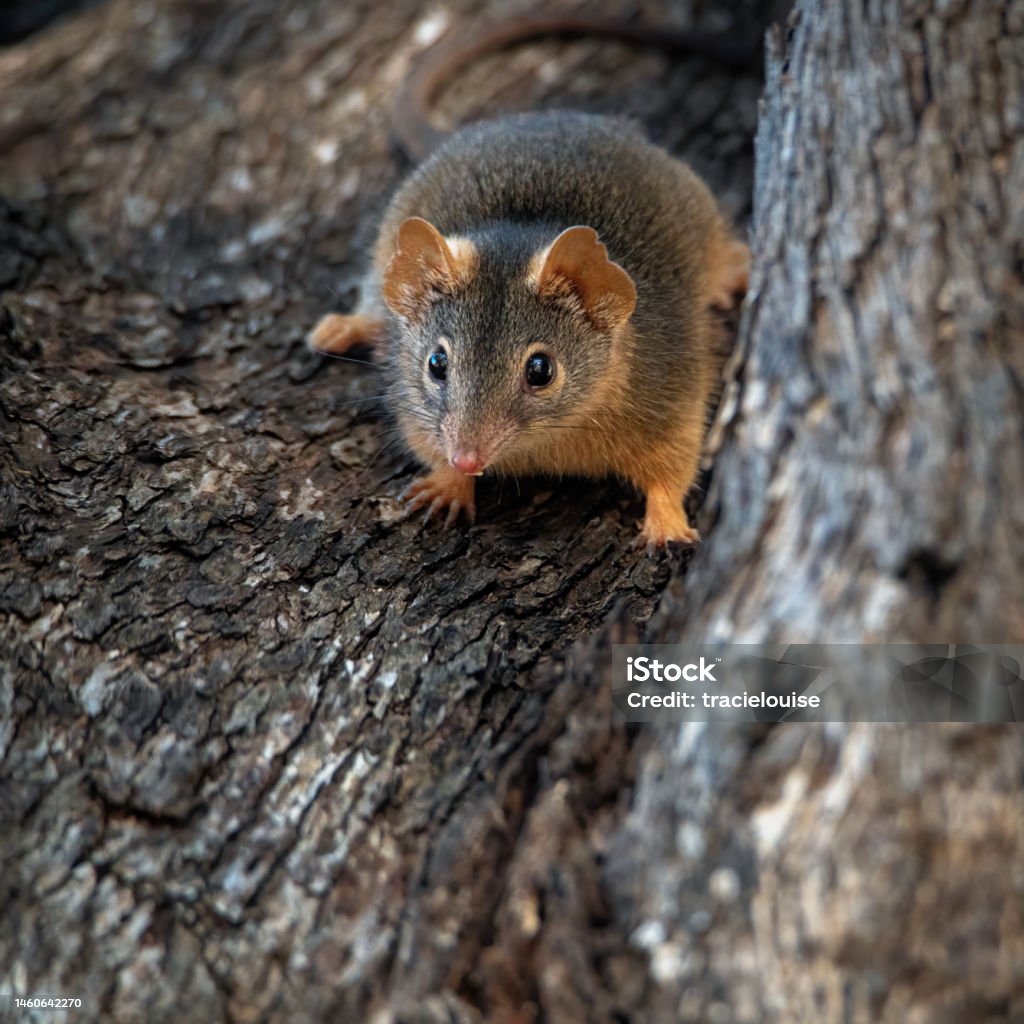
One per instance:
(468, 461)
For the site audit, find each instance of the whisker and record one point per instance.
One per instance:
(349, 359)
(363, 398)
(361, 477)
(556, 426)
(379, 454)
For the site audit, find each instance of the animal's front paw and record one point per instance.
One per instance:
(665, 521)
(653, 540)
(336, 333)
(443, 489)
(661, 531)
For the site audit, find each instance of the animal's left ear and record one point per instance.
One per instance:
(576, 264)
(424, 265)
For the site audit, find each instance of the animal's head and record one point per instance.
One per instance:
(507, 336)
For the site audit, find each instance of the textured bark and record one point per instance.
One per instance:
(871, 458)
(271, 753)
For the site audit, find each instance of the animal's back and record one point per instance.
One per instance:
(565, 168)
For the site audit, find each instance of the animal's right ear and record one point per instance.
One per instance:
(423, 266)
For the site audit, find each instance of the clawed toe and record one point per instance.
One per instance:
(647, 547)
(454, 510)
(652, 540)
(414, 496)
(441, 493)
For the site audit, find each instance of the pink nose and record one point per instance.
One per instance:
(469, 463)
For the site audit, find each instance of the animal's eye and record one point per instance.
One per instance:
(437, 364)
(540, 370)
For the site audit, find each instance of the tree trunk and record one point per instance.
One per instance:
(271, 752)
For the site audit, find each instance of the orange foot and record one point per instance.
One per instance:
(444, 488)
(728, 275)
(335, 334)
(665, 522)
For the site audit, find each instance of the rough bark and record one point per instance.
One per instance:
(871, 445)
(271, 753)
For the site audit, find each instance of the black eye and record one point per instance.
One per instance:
(539, 370)
(438, 364)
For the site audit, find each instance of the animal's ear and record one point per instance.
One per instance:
(576, 265)
(424, 264)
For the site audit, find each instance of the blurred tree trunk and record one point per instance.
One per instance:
(270, 753)
(867, 487)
